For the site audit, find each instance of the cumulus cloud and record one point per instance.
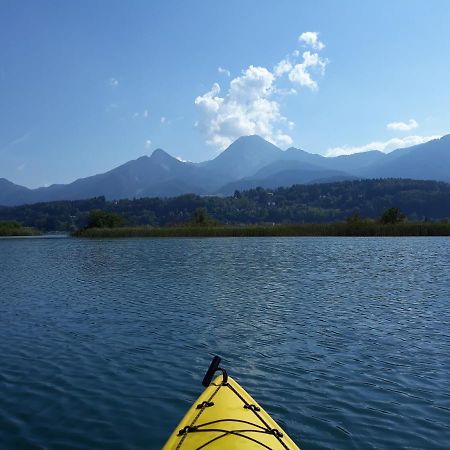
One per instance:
(383, 146)
(148, 143)
(163, 119)
(403, 126)
(301, 72)
(251, 104)
(284, 66)
(311, 38)
(245, 110)
(224, 71)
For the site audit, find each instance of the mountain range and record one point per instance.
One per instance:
(247, 163)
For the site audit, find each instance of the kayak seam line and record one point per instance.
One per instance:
(233, 420)
(259, 417)
(197, 417)
(226, 433)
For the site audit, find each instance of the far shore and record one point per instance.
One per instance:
(325, 229)
(22, 232)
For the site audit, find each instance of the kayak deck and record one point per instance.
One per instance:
(225, 416)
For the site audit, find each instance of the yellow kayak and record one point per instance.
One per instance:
(225, 416)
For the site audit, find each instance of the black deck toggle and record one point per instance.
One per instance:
(186, 430)
(276, 433)
(252, 407)
(205, 405)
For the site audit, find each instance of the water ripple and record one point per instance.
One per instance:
(345, 341)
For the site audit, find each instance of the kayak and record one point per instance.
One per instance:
(225, 416)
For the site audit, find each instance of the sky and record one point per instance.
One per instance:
(87, 85)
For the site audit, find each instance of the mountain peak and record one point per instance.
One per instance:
(251, 145)
(249, 159)
(245, 156)
(252, 141)
(5, 183)
(249, 138)
(159, 152)
(296, 150)
(161, 156)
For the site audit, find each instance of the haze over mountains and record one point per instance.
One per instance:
(247, 163)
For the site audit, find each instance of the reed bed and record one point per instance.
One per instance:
(325, 229)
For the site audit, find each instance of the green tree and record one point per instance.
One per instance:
(354, 218)
(392, 215)
(104, 219)
(202, 218)
(10, 225)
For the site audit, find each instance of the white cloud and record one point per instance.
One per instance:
(282, 67)
(17, 141)
(245, 110)
(383, 146)
(403, 126)
(285, 92)
(144, 114)
(224, 71)
(148, 143)
(300, 73)
(181, 159)
(251, 104)
(113, 82)
(163, 119)
(311, 38)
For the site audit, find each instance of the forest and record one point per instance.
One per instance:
(298, 204)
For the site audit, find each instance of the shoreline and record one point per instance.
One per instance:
(326, 229)
(20, 233)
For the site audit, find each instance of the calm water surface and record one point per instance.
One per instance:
(346, 342)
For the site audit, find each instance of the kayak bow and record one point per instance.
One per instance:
(225, 416)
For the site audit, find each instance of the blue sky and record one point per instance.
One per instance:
(88, 85)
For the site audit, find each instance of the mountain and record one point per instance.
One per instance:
(248, 162)
(285, 173)
(10, 191)
(158, 175)
(356, 162)
(428, 161)
(346, 163)
(418, 200)
(141, 177)
(244, 157)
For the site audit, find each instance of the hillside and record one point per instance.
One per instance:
(247, 163)
(326, 202)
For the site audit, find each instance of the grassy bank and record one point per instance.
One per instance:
(15, 229)
(326, 229)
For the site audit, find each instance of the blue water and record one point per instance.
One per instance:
(345, 341)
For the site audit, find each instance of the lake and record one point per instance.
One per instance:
(345, 341)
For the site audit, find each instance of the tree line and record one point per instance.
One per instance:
(317, 203)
